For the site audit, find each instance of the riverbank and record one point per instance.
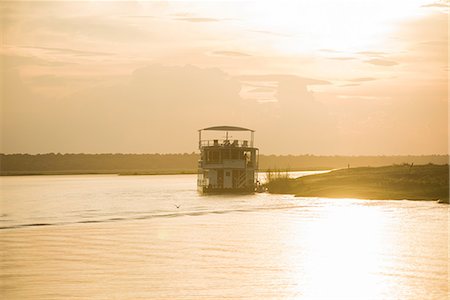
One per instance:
(397, 182)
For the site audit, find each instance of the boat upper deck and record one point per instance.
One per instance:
(227, 142)
(224, 143)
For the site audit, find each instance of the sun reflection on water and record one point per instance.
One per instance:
(344, 255)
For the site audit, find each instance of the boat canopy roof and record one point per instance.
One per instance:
(227, 128)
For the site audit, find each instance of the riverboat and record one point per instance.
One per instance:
(227, 165)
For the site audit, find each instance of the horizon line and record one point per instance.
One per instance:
(196, 153)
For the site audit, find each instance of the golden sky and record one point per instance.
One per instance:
(321, 77)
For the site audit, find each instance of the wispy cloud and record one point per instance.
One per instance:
(262, 90)
(329, 51)
(75, 52)
(15, 60)
(362, 79)
(92, 29)
(436, 5)
(282, 77)
(341, 58)
(230, 53)
(142, 17)
(197, 19)
(371, 53)
(362, 97)
(270, 33)
(439, 4)
(350, 84)
(52, 80)
(381, 62)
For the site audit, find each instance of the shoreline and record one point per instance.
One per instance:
(138, 172)
(381, 199)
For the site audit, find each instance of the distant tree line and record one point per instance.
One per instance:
(51, 163)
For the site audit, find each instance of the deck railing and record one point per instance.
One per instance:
(225, 143)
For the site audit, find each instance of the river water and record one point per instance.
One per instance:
(123, 237)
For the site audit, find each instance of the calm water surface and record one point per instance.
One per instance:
(122, 237)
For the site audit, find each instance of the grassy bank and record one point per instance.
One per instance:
(423, 182)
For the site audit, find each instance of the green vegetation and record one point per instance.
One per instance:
(51, 163)
(423, 182)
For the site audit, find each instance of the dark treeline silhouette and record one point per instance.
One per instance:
(16, 164)
(95, 163)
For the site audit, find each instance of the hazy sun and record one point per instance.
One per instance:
(342, 25)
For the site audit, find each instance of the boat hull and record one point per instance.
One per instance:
(215, 191)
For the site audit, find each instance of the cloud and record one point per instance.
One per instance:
(329, 51)
(262, 90)
(230, 53)
(73, 52)
(350, 84)
(342, 58)
(283, 78)
(361, 79)
(282, 84)
(50, 80)
(158, 109)
(197, 19)
(426, 41)
(381, 62)
(372, 53)
(362, 97)
(263, 84)
(142, 17)
(428, 51)
(430, 28)
(24, 117)
(14, 61)
(271, 33)
(439, 4)
(92, 29)
(436, 5)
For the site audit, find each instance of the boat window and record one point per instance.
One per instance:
(213, 156)
(248, 157)
(226, 154)
(235, 154)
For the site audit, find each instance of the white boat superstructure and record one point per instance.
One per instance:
(227, 165)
